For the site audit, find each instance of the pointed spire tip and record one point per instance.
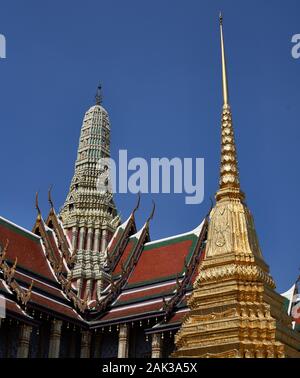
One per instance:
(224, 71)
(98, 96)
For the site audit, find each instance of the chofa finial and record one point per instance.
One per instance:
(50, 197)
(37, 205)
(138, 203)
(152, 212)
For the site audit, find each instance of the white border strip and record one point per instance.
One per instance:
(137, 305)
(148, 287)
(196, 231)
(20, 228)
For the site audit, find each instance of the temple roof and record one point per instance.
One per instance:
(150, 279)
(158, 282)
(154, 263)
(143, 279)
(25, 269)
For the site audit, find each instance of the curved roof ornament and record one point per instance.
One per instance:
(50, 197)
(137, 205)
(37, 205)
(3, 252)
(152, 213)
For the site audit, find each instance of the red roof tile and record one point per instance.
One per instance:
(15, 309)
(132, 311)
(178, 317)
(26, 247)
(136, 296)
(162, 260)
(52, 305)
(47, 288)
(125, 256)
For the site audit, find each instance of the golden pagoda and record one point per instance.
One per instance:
(235, 310)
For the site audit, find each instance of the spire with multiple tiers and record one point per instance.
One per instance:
(89, 215)
(234, 309)
(229, 174)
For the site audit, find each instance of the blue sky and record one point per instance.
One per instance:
(159, 63)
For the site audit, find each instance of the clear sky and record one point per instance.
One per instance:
(159, 63)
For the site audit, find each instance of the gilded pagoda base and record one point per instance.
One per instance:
(232, 320)
(235, 311)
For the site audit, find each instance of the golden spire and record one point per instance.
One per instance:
(224, 71)
(233, 269)
(229, 175)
